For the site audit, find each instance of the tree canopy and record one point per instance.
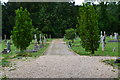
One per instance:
(22, 31)
(53, 18)
(88, 28)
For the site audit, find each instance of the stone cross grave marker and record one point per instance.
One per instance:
(103, 41)
(101, 37)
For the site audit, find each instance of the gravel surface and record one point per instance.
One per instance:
(60, 62)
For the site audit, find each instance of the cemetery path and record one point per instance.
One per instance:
(61, 64)
(58, 47)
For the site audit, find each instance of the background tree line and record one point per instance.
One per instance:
(50, 18)
(55, 18)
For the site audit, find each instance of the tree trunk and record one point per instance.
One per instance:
(92, 52)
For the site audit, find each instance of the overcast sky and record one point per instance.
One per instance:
(77, 2)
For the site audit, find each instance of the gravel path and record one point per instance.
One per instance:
(60, 62)
(58, 47)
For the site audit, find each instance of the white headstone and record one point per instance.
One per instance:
(35, 37)
(114, 49)
(104, 34)
(111, 36)
(44, 40)
(101, 35)
(115, 35)
(40, 39)
(8, 47)
(103, 43)
(4, 37)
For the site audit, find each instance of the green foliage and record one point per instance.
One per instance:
(47, 17)
(77, 47)
(88, 28)
(70, 34)
(103, 17)
(22, 31)
(109, 17)
(5, 63)
(13, 55)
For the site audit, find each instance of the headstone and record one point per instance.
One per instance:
(103, 41)
(70, 44)
(11, 39)
(110, 36)
(44, 40)
(101, 37)
(35, 37)
(101, 34)
(114, 49)
(8, 47)
(103, 44)
(36, 47)
(115, 36)
(104, 34)
(5, 38)
(40, 39)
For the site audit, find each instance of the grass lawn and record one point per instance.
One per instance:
(76, 47)
(5, 57)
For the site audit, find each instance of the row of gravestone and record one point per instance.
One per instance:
(116, 36)
(103, 38)
(36, 46)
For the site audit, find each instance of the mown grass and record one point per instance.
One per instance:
(13, 54)
(76, 47)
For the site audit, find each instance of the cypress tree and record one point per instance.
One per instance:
(88, 28)
(22, 31)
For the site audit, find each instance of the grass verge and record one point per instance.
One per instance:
(112, 63)
(5, 58)
(77, 47)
